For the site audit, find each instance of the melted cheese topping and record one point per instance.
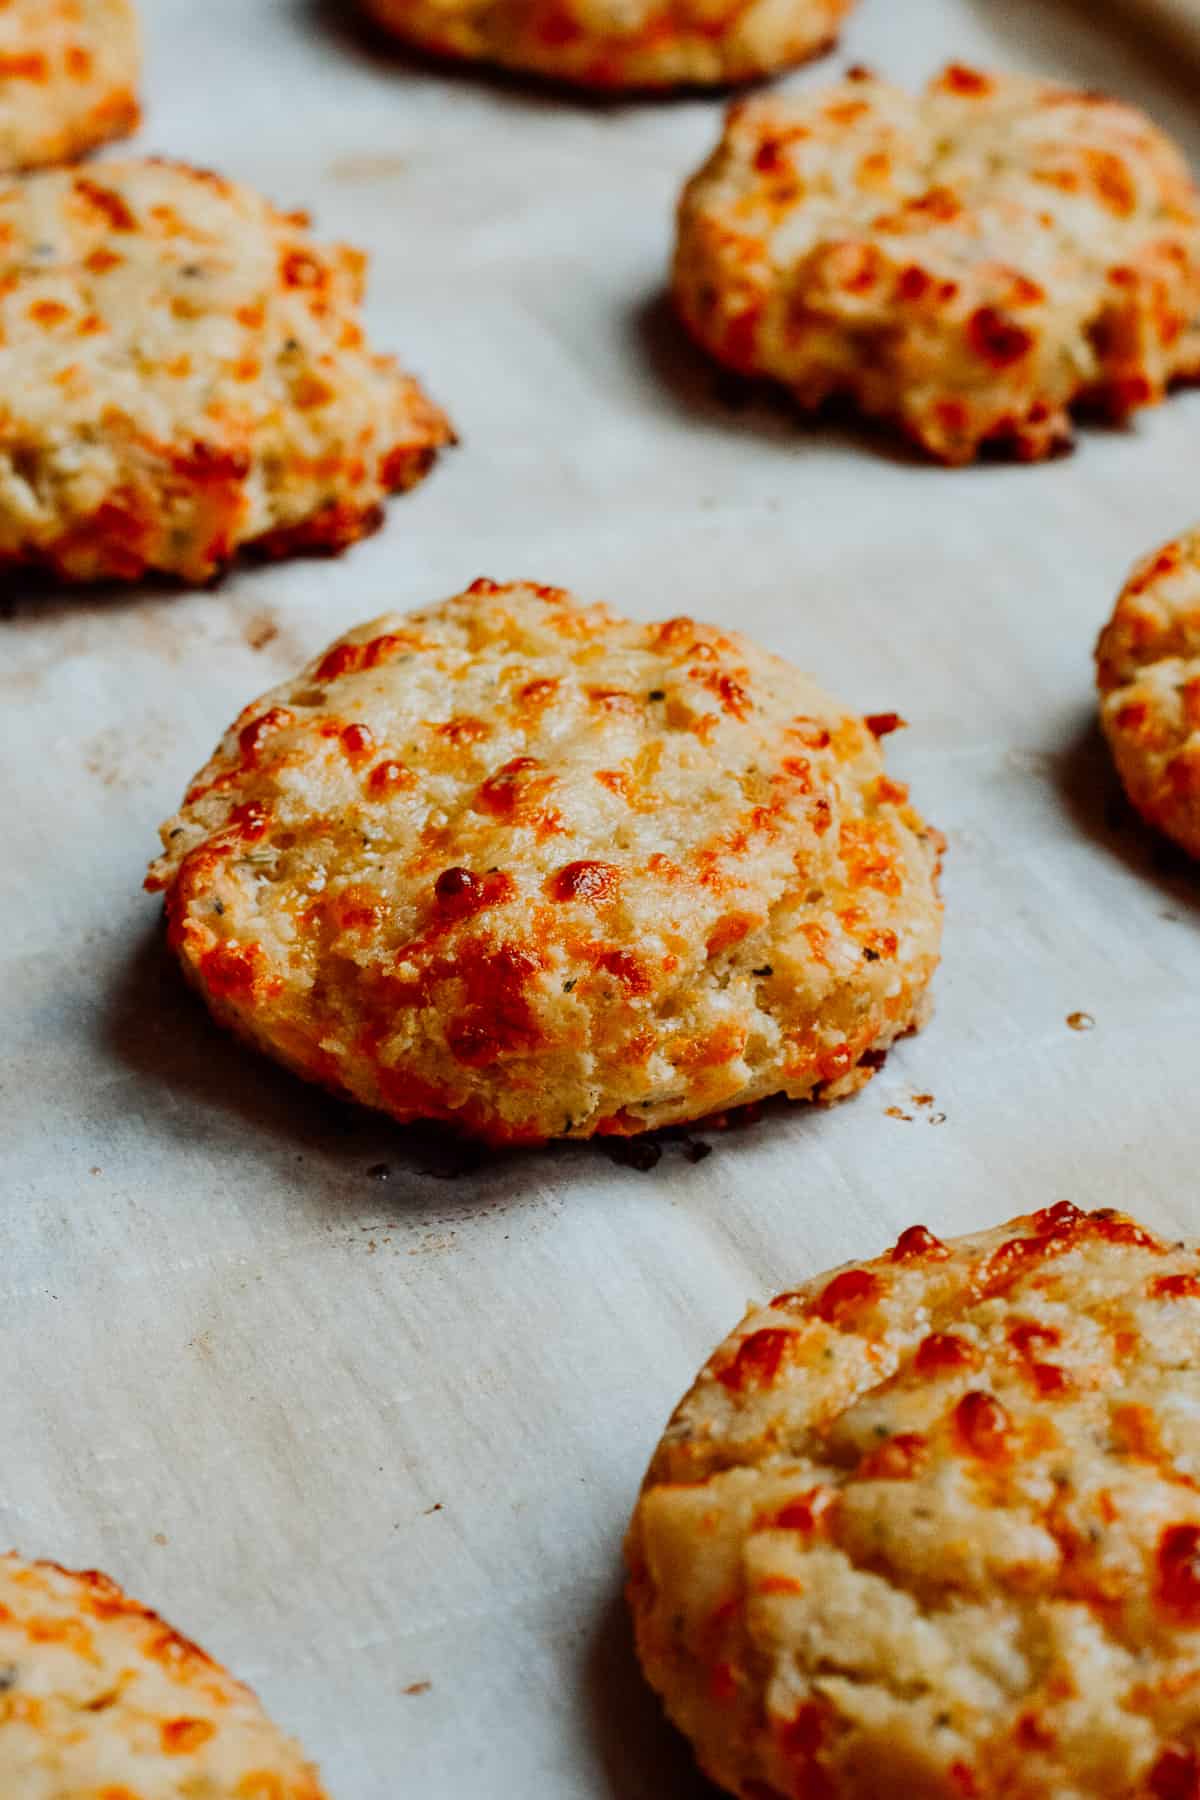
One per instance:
(68, 77)
(1148, 674)
(968, 263)
(615, 44)
(931, 1526)
(98, 1697)
(183, 371)
(539, 871)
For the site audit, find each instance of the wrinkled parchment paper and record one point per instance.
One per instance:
(369, 1432)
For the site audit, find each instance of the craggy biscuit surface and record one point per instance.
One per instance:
(182, 372)
(101, 1700)
(68, 77)
(621, 43)
(930, 1526)
(968, 264)
(1148, 674)
(539, 871)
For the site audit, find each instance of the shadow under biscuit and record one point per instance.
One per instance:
(214, 1085)
(641, 1754)
(35, 592)
(1091, 792)
(162, 1032)
(38, 596)
(702, 390)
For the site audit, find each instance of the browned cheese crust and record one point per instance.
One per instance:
(183, 371)
(69, 71)
(101, 1700)
(1148, 675)
(615, 45)
(930, 1526)
(968, 264)
(538, 871)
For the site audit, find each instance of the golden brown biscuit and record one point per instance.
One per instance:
(930, 1527)
(100, 1700)
(69, 72)
(1148, 674)
(539, 871)
(969, 264)
(621, 44)
(182, 372)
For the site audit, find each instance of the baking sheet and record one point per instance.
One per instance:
(370, 1428)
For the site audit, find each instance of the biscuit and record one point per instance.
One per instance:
(931, 1526)
(537, 871)
(1148, 675)
(968, 265)
(99, 1697)
(183, 372)
(621, 44)
(69, 73)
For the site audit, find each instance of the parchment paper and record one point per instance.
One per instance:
(372, 1434)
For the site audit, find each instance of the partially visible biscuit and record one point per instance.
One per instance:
(1148, 675)
(183, 372)
(69, 73)
(930, 1526)
(621, 44)
(99, 1697)
(538, 871)
(969, 264)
